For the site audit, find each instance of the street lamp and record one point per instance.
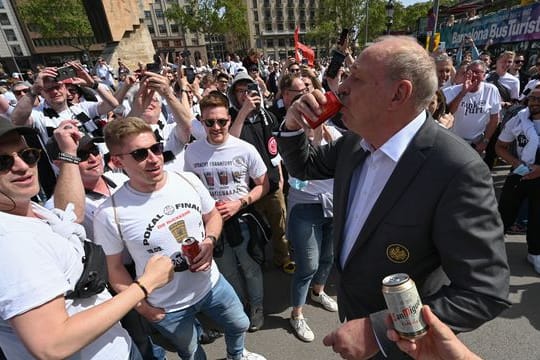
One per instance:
(389, 15)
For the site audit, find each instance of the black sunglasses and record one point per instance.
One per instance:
(210, 123)
(29, 155)
(142, 154)
(85, 154)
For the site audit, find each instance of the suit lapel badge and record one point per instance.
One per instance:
(397, 253)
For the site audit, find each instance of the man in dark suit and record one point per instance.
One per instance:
(409, 197)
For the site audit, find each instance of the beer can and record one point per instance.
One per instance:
(190, 249)
(404, 305)
(330, 109)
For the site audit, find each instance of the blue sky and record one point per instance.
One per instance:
(410, 2)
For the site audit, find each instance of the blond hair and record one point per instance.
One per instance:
(116, 131)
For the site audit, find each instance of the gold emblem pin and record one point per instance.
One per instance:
(397, 253)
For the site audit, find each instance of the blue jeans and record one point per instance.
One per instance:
(248, 271)
(222, 305)
(311, 235)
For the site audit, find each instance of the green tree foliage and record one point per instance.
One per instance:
(211, 17)
(58, 19)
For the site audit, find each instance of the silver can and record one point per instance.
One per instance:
(404, 305)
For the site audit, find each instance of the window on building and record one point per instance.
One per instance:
(267, 3)
(279, 14)
(281, 42)
(301, 3)
(291, 25)
(268, 27)
(4, 19)
(303, 26)
(17, 51)
(290, 3)
(267, 14)
(255, 15)
(151, 29)
(195, 41)
(10, 35)
(178, 43)
(290, 13)
(255, 4)
(280, 26)
(174, 28)
(147, 15)
(270, 43)
(162, 29)
(159, 13)
(278, 3)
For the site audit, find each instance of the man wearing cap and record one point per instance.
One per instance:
(253, 123)
(57, 107)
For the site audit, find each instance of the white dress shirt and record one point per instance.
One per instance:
(369, 180)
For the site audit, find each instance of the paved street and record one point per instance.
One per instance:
(514, 335)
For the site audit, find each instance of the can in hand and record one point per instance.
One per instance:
(404, 305)
(329, 110)
(190, 249)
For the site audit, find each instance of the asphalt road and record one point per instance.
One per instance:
(513, 335)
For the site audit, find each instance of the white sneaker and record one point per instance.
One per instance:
(248, 355)
(326, 301)
(535, 261)
(302, 329)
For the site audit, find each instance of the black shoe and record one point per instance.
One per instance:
(256, 318)
(209, 336)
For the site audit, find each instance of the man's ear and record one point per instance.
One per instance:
(402, 93)
(115, 159)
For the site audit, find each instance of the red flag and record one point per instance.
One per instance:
(302, 51)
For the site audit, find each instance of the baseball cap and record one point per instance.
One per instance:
(6, 126)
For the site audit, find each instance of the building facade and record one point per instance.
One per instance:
(14, 50)
(272, 24)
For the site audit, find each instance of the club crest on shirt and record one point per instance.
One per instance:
(397, 253)
(272, 146)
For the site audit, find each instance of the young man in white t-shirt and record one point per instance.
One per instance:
(153, 213)
(227, 164)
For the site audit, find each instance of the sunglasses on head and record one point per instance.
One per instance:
(85, 154)
(210, 123)
(142, 154)
(29, 155)
(20, 91)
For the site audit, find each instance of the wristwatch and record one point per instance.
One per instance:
(244, 203)
(485, 141)
(213, 238)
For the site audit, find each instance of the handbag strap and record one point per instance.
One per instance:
(116, 218)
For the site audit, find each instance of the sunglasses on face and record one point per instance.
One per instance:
(294, 70)
(210, 123)
(85, 154)
(29, 155)
(519, 61)
(20, 91)
(141, 154)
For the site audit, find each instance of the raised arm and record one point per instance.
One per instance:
(49, 332)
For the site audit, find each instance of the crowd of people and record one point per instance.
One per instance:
(139, 162)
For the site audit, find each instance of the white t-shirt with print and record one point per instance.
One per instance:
(155, 223)
(509, 133)
(474, 110)
(38, 265)
(225, 168)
